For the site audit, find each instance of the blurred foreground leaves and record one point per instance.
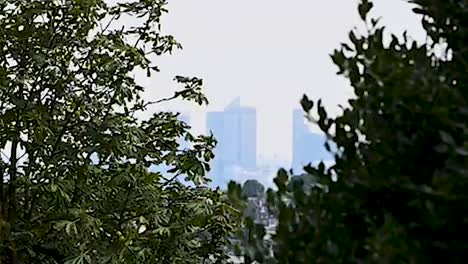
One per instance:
(397, 192)
(81, 181)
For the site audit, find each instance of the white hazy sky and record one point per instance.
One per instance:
(268, 52)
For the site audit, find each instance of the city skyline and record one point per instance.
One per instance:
(269, 62)
(302, 133)
(236, 157)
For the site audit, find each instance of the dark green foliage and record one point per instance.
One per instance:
(77, 185)
(253, 188)
(400, 178)
(248, 242)
(305, 181)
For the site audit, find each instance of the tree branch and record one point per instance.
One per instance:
(2, 197)
(161, 100)
(11, 218)
(168, 181)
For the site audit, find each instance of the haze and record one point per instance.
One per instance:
(268, 52)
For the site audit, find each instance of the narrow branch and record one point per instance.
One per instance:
(68, 119)
(168, 181)
(161, 100)
(5, 155)
(108, 23)
(12, 181)
(146, 28)
(2, 197)
(22, 156)
(32, 205)
(12, 200)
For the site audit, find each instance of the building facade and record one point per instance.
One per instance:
(235, 129)
(307, 147)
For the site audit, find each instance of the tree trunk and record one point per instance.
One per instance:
(11, 196)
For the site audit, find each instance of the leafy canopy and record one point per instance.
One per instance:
(397, 190)
(78, 180)
(253, 188)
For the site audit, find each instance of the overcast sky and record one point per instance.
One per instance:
(268, 52)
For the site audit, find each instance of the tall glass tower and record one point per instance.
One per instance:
(307, 147)
(235, 129)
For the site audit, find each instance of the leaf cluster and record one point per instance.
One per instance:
(397, 190)
(78, 179)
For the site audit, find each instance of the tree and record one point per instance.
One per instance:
(77, 184)
(253, 188)
(397, 190)
(248, 242)
(305, 181)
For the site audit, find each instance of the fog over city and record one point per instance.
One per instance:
(268, 54)
(233, 131)
(248, 49)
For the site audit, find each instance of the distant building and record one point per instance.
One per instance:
(257, 209)
(240, 135)
(235, 129)
(307, 147)
(215, 125)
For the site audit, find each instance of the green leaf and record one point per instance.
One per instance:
(398, 176)
(306, 103)
(90, 171)
(364, 7)
(447, 138)
(164, 231)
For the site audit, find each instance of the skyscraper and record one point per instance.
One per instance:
(308, 147)
(240, 135)
(235, 128)
(215, 125)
